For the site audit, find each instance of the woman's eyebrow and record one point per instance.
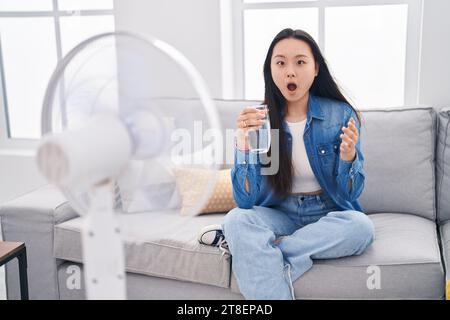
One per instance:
(299, 55)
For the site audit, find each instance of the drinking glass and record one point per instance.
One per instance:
(259, 139)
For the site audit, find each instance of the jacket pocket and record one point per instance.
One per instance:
(328, 154)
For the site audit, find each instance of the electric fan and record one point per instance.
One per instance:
(116, 103)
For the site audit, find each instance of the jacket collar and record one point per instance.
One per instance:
(314, 111)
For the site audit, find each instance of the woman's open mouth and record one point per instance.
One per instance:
(292, 86)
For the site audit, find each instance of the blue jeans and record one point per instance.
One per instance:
(273, 247)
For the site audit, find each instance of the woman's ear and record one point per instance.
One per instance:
(317, 69)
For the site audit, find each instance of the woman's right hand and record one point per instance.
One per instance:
(250, 118)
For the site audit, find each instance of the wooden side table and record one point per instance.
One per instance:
(11, 250)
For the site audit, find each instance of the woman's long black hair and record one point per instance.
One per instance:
(323, 86)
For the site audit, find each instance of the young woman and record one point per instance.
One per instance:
(308, 209)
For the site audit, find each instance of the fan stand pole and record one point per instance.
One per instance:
(103, 251)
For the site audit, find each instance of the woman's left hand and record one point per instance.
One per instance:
(349, 139)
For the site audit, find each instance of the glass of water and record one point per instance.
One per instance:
(259, 139)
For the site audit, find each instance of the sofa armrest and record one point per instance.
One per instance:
(31, 218)
(444, 230)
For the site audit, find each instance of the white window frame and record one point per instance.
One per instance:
(21, 146)
(232, 40)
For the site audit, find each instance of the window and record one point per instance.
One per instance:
(372, 47)
(258, 34)
(34, 36)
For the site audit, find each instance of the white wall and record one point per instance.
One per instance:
(182, 23)
(193, 27)
(435, 62)
(18, 175)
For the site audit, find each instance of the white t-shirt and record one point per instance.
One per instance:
(304, 180)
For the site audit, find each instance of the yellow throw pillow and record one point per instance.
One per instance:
(192, 183)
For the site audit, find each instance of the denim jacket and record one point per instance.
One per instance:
(325, 119)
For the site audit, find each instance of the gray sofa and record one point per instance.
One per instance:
(407, 195)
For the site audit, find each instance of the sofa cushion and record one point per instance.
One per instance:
(142, 287)
(443, 165)
(221, 197)
(404, 255)
(405, 250)
(398, 146)
(157, 244)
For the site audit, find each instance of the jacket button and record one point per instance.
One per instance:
(323, 151)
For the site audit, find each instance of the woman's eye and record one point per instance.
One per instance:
(280, 62)
(301, 61)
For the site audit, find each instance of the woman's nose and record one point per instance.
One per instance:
(290, 73)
